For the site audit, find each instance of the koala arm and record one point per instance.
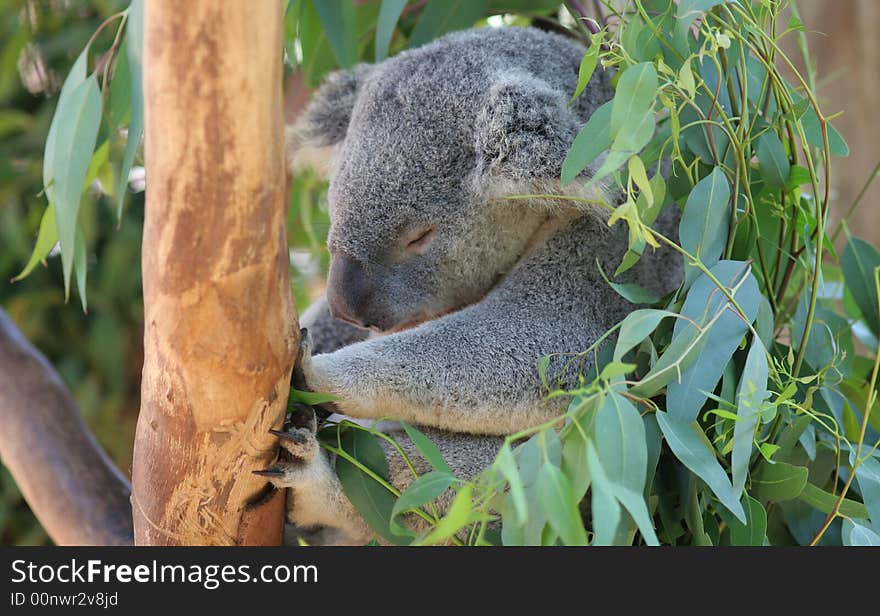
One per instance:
(466, 372)
(475, 370)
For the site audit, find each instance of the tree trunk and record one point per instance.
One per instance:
(220, 328)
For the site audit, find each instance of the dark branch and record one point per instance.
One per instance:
(67, 479)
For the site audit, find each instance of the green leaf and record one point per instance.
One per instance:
(559, 504)
(686, 396)
(605, 508)
(311, 398)
(507, 465)
(442, 16)
(634, 96)
(612, 370)
(634, 293)
(593, 139)
(79, 120)
(574, 463)
(98, 162)
(420, 492)
(705, 221)
(798, 176)
(854, 534)
(119, 96)
(372, 500)
(688, 11)
(636, 169)
(134, 50)
(690, 445)
(634, 136)
(754, 531)
(75, 78)
(79, 266)
(686, 78)
(427, 448)
(678, 356)
(47, 237)
(620, 442)
(859, 262)
(772, 160)
(868, 478)
(824, 501)
(779, 481)
(588, 64)
(456, 518)
(813, 132)
(623, 452)
(338, 19)
(749, 397)
(637, 326)
(318, 57)
(389, 13)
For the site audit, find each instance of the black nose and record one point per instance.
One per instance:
(350, 291)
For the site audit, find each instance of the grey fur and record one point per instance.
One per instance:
(435, 136)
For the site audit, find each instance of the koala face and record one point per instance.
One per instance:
(420, 148)
(412, 235)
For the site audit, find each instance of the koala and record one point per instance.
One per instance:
(442, 295)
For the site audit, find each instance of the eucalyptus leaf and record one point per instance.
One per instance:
(389, 13)
(691, 446)
(372, 500)
(338, 19)
(605, 507)
(559, 504)
(855, 534)
(749, 397)
(706, 220)
(705, 301)
(779, 481)
(859, 261)
(442, 16)
(47, 237)
(134, 52)
(754, 531)
(79, 120)
(593, 139)
(420, 492)
(426, 447)
(772, 160)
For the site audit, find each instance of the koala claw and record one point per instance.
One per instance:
(303, 360)
(272, 471)
(300, 443)
(287, 474)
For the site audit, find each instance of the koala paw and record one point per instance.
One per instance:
(299, 445)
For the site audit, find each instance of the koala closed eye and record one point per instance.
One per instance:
(418, 240)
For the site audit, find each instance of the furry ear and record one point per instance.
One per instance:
(313, 140)
(524, 131)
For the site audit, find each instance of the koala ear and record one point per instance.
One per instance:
(523, 132)
(314, 138)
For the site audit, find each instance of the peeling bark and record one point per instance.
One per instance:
(220, 325)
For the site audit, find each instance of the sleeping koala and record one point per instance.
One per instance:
(442, 295)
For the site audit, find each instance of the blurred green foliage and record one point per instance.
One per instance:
(97, 354)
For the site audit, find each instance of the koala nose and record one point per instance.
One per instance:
(350, 291)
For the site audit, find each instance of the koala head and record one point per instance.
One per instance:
(418, 150)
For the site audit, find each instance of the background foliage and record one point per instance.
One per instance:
(737, 410)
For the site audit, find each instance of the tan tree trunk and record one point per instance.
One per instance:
(220, 324)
